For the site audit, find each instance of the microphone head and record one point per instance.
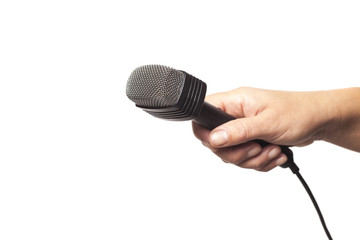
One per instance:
(165, 92)
(155, 86)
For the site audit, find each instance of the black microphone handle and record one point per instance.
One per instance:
(210, 117)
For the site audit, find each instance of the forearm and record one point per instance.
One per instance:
(343, 126)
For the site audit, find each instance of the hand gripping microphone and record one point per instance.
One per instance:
(176, 95)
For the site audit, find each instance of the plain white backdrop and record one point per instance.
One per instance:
(79, 161)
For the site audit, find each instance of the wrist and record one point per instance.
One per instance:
(331, 115)
(342, 124)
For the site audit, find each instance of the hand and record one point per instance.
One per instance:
(278, 117)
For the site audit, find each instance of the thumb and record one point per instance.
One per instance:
(238, 131)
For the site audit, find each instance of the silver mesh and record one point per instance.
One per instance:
(155, 86)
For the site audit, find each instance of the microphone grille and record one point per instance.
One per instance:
(155, 86)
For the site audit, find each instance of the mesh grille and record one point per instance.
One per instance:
(155, 86)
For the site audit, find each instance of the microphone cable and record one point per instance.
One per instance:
(295, 169)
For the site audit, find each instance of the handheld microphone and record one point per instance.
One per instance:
(176, 95)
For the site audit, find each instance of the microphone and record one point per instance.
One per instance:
(175, 95)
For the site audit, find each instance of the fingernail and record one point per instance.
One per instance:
(274, 153)
(253, 152)
(281, 160)
(219, 138)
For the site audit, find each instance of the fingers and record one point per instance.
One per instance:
(236, 154)
(268, 159)
(258, 159)
(278, 161)
(246, 155)
(200, 132)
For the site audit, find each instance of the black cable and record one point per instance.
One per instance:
(295, 170)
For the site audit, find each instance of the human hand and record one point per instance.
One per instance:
(277, 117)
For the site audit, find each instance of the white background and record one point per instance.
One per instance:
(79, 161)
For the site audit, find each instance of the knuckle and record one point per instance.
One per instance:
(231, 159)
(258, 166)
(235, 156)
(244, 131)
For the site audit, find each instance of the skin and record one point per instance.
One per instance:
(280, 118)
